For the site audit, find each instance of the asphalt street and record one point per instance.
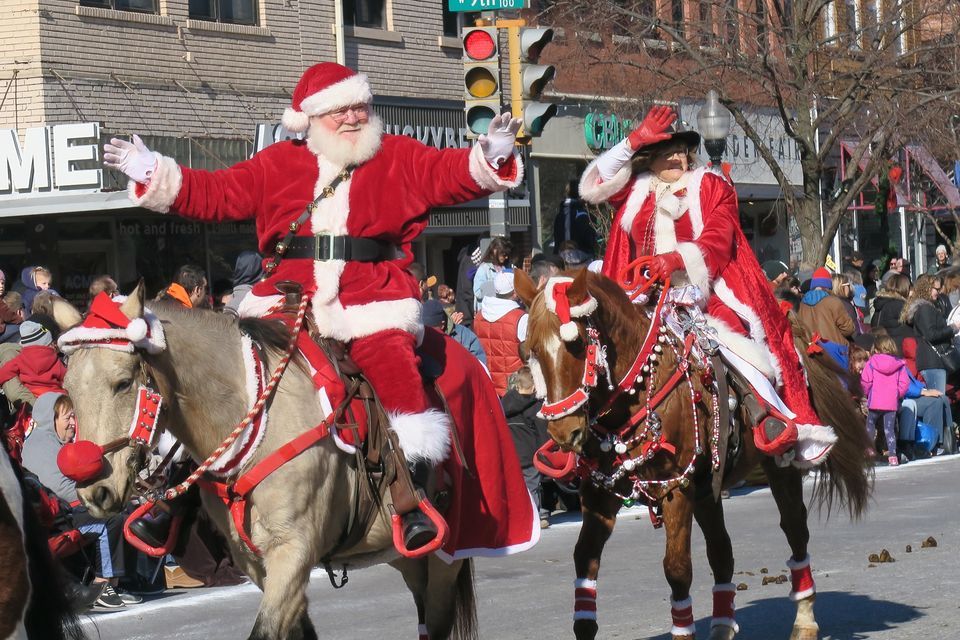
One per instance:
(530, 595)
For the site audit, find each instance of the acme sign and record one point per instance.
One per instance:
(47, 160)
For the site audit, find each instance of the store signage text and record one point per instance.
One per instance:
(45, 162)
(438, 137)
(602, 131)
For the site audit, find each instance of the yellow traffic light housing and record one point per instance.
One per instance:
(481, 78)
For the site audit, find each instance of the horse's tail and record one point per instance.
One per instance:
(843, 480)
(465, 605)
(49, 613)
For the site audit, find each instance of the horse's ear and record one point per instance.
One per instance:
(132, 307)
(525, 288)
(577, 292)
(65, 314)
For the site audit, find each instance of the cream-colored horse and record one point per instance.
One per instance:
(297, 514)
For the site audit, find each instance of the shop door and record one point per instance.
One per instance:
(81, 261)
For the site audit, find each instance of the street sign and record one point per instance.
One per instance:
(485, 5)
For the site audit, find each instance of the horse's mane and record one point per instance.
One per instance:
(272, 334)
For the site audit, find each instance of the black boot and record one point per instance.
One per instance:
(418, 529)
(153, 528)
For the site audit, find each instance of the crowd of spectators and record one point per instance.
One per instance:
(897, 336)
(100, 569)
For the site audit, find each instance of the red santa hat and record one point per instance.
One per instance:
(323, 88)
(106, 325)
(556, 297)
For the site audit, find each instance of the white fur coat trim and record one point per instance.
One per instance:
(347, 323)
(814, 442)
(162, 189)
(423, 436)
(755, 354)
(595, 190)
(228, 461)
(759, 336)
(694, 207)
(361, 320)
(331, 214)
(638, 194)
(696, 266)
(487, 177)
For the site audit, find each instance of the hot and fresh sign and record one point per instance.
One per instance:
(47, 160)
(484, 5)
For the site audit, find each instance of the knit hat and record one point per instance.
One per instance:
(503, 283)
(773, 269)
(821, 279)
(323, 88)
(34, 335)
(432, 313)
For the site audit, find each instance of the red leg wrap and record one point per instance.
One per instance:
(584, 599)
(723, 607)
(801, 579)
(422, 632)
(682, 613)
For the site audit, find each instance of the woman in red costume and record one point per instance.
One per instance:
(688, 219)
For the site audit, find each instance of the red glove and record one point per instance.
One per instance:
(651, 130)
(662, 266)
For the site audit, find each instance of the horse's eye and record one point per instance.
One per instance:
(123, 385)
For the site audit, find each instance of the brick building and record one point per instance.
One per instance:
(204, 81)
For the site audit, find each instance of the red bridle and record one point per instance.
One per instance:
(596, 362)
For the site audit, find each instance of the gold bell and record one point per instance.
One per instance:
(327, 192)
(280, 248)
(270, 266)
(294, 226)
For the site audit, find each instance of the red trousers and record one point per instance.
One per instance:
(389, 363)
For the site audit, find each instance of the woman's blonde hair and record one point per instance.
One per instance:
(842, 287)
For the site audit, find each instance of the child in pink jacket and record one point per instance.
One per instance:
(885, 382)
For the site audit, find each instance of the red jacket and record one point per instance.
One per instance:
(39, 369)
(386, 198)
(500, 342)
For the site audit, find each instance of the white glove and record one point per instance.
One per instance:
(612, 160)
(497, 143)
(133, 159)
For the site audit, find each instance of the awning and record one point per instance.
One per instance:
(42, 204)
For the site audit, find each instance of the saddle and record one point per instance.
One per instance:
(379, 458)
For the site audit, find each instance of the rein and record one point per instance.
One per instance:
(643, 429)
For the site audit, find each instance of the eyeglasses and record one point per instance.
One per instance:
(360, 110)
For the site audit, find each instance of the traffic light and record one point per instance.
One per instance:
(481, 78)
(534, 78)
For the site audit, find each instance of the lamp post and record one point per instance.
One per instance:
(713, 120)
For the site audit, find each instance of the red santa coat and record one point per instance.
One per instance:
(698, 217)
(386, 198)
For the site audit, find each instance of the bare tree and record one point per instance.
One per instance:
(863, 72)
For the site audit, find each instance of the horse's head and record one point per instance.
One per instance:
(103, 384)
(558, 349)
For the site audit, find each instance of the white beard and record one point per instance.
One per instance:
(343, 152)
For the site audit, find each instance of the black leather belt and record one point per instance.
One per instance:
(328, 247)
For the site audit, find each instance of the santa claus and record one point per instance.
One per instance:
(338, 212)
(688, 219)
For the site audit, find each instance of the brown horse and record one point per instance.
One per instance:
(299, 513)
(659, 440)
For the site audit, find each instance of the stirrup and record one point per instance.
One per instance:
(144, 546)
(775, 434)
(428, 510)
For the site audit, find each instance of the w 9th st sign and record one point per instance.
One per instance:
(484, 5)
(46, 161)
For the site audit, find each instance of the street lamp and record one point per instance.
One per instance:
(713, 120)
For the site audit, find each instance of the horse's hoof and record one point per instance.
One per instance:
(585, 629)
(805, 633)
(722, 632)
